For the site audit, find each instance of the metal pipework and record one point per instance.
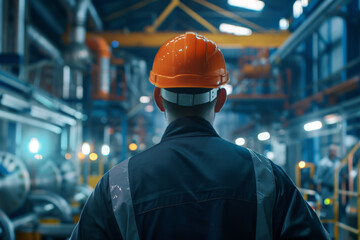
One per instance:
(44, 44)
(60, 204)
(320, 14)
(6, 227)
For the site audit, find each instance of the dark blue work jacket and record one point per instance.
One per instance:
(195, 185)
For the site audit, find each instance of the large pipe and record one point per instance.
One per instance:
(93, 14)
(44, 44)
(79, 20)
(320, 14)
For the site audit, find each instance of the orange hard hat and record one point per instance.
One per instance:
(189, 61)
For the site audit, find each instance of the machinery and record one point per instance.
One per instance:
(36, 196)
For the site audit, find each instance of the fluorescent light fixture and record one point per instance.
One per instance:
(144, 99)
(236, 30)
(263, 136)
(284, 24)
(85, 148)
(240, 141)
(228, 88)
(332, 118)
(254, 5)
(311, 126)
(105, 150)
(270, 155)
(34, 145)
(297, 9)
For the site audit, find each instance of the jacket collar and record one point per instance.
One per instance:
(189, 127)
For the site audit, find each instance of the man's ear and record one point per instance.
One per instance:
(220, 101)
(158, 99)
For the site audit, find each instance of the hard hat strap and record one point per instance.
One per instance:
(188, 100)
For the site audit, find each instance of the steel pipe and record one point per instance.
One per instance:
(59, 203)
(6, 227)
(320, 14)
(44, 44)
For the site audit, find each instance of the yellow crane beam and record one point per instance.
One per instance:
(155, 40)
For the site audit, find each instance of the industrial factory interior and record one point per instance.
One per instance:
(76, 101)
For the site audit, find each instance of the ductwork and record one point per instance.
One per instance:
(44, 44)
(327, 8)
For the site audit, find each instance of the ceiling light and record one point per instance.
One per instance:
(133, 147)
(270, 155)
(93, 156)
(302, 164)
(263, 136)
(304, 3)
(105, 150)
(311, 126)
(236, 30)
(255, 5)
(144, 99)
(240, 141)
(34, 145)
(149, 108)
(284, 24)
(332, 118)
(297, 9)
(85, 148)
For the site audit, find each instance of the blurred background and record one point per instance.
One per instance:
(75, 99)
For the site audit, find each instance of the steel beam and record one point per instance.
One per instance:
(167, 11)
(197, 18)
(231, 15)
(155, 40)
(127, 10)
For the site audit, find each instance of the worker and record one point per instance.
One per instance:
(324, 179)
(194, 184)
(324, 176)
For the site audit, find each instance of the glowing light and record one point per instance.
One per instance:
(38, 156)
(240, 141)
(34, 145)
(133, 147)
(149, 108)
(81, 156)
(332, 118)
(263, 136)
(311, 126)
(142, 146)
(270, 155)
(284, 24)
(255, 5)
(67, 156)
(302, 164)
(304, 3)
(156, 139)
(144, 99)
(105, 150)
(236, 30)
(85, 148)
(327, 201)
(93, 156)
(115, 44)
(229, 89)
(297, 9)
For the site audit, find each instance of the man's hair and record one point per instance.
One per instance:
(197, 110)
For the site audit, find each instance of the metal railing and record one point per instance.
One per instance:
(337, 192)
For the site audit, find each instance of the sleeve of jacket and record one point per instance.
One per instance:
(293, 218)
(97, 220)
